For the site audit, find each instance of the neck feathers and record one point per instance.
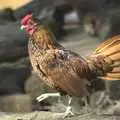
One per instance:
(43, 38)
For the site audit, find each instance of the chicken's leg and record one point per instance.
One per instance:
(69, 108)
(46, 95)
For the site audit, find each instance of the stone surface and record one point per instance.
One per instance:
(14, 63)
(13, 42)
(51, 116)
(13, 76)
(16, 103)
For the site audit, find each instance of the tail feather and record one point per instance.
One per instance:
(115, 64)
(110, 49)
(116, 70)
(114, 75)
(109, 78)
(110, 52)
(108, 43)
(115, 56)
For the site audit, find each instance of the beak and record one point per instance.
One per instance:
(22, 27)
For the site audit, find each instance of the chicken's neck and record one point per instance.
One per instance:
(43, 39)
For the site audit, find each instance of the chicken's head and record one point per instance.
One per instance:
(28, 24)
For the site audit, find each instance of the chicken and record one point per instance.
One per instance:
(64, 70)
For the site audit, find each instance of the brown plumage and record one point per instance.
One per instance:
(65, 70)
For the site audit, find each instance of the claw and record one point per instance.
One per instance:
(68, 111)
(64, 114)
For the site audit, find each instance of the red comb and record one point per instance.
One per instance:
(26, 18)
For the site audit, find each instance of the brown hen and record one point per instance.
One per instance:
(65, 70)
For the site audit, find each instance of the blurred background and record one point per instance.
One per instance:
(79, 25)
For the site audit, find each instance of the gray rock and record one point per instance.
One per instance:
(13, 43)
(14, 64)
(13, 76)
(16, 103)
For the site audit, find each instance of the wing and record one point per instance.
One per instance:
(65, 71)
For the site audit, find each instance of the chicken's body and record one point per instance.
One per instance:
(61, 69)
(65, 70)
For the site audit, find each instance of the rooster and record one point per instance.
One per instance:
(64, 70)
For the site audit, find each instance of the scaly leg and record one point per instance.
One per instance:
(86, 104)
(46, 95)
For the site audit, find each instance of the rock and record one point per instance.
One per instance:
(13, 43)
(14, 64)
(7, 14)
(13, 76)
(16, 103)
